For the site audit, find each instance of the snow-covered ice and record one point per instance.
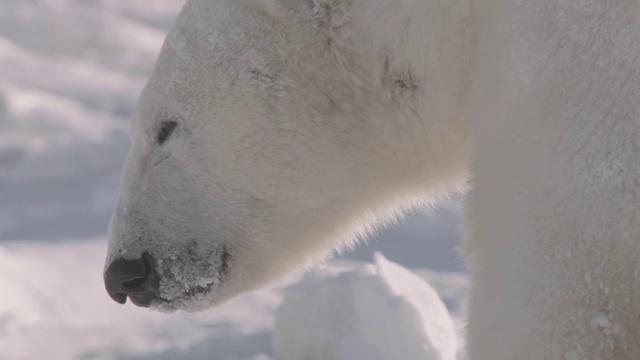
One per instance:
(70, 75)
(374, 312)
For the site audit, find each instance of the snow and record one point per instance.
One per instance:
(70, 75)
(373, 312)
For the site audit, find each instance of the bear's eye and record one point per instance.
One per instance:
(166, 129)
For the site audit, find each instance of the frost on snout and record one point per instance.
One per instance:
(178, 278)
(190, 277)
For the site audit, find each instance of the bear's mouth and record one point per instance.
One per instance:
(194, 299)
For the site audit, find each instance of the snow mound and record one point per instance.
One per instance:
(375, 312)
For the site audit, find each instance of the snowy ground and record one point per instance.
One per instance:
(70, 74)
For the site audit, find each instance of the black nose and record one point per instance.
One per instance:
(134, 278)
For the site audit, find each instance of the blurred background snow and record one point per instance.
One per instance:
(70, 75)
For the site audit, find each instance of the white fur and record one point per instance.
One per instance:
(553, 215)
(303, 123)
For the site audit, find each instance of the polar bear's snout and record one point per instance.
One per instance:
(135, 278)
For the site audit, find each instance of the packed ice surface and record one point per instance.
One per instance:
(373, 312)
(70, 74)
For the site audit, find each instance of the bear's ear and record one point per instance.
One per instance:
(284, 8)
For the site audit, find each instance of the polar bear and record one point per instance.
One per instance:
(273, 132)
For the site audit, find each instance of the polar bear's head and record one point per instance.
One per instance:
(271, 132)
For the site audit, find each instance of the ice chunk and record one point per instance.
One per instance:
(376, 312)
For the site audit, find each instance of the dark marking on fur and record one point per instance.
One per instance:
(404, 82)
(225, 259)
(259, 75)
(160, 161)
